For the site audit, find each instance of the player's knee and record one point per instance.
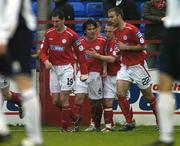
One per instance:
(108, 103)
(79, 101)
(6, 95)
(121, 94)
(96, 103)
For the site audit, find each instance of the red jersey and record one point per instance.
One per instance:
(112, 68)
(130, 35)
(59, 48)
(98, 44)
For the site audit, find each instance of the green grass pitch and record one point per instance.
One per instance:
(52, 137)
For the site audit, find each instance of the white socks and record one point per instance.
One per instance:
(31, 106)
(4, 130)
(165, 109)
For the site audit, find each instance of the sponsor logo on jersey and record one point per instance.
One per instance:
(57, 48)
(97, 47)
(142, 40)
(139, 34)
(81, 48)
(64, 41)
(50, 39)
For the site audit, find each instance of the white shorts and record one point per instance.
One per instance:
(4, 82)
(110, 88)
(61, 78)
(92, 86)
(137, 73)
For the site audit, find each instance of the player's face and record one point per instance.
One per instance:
(109, 32)
(114, 18)
(90, 31)
(57, 22)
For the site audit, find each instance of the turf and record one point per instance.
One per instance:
(139, 137)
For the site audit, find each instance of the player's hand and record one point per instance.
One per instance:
(163, 18)
(91, 53)
(36, 54)
(104, 74)
(84, 77)
(48, 64)
(122, 46)
(3, 49)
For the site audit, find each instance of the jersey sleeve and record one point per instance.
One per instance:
(138, 36)
(79, 51)
(44, 49)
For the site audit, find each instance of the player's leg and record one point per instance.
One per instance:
(4, 130)
(122, 90)
(66, 82)
(21, 68)
(81, 93)
(31, 106)
(122, 86)
(169, 70)
(96, 95)
(12, 97)
(109, 96)
(147, 93)
(108, 114)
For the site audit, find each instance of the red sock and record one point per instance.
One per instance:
(65, 119)
(126, 109)
(153, 103)
(15, 98)
(108, 116)
(98, 115)
(93, 110)
(76, 110)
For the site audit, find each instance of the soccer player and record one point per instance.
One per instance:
(133, 65)
(59, 45)
(16, 25)
(169, 71)
(10, 96)
(93, 86)
(113, 66)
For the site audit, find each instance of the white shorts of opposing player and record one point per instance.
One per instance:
(92, 86)
(61, 78)
(135, 73)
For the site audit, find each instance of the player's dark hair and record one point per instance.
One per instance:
(117, 10)
(59, 13)
(99, 23)
(89, 22)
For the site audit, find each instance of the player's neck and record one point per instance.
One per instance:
(121, 25)
(61, 29)
(90, 38)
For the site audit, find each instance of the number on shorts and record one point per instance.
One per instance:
(69, 81)
(145, 80)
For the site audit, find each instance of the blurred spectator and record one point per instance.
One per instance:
(64, 6)
(154, 10)
(129, 8)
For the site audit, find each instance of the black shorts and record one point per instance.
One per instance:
(18, 58)
(170, 53)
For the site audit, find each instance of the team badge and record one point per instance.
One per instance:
(125, 37)
(97, 47)
(142, 40)
(64, 41)
(114, 53)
